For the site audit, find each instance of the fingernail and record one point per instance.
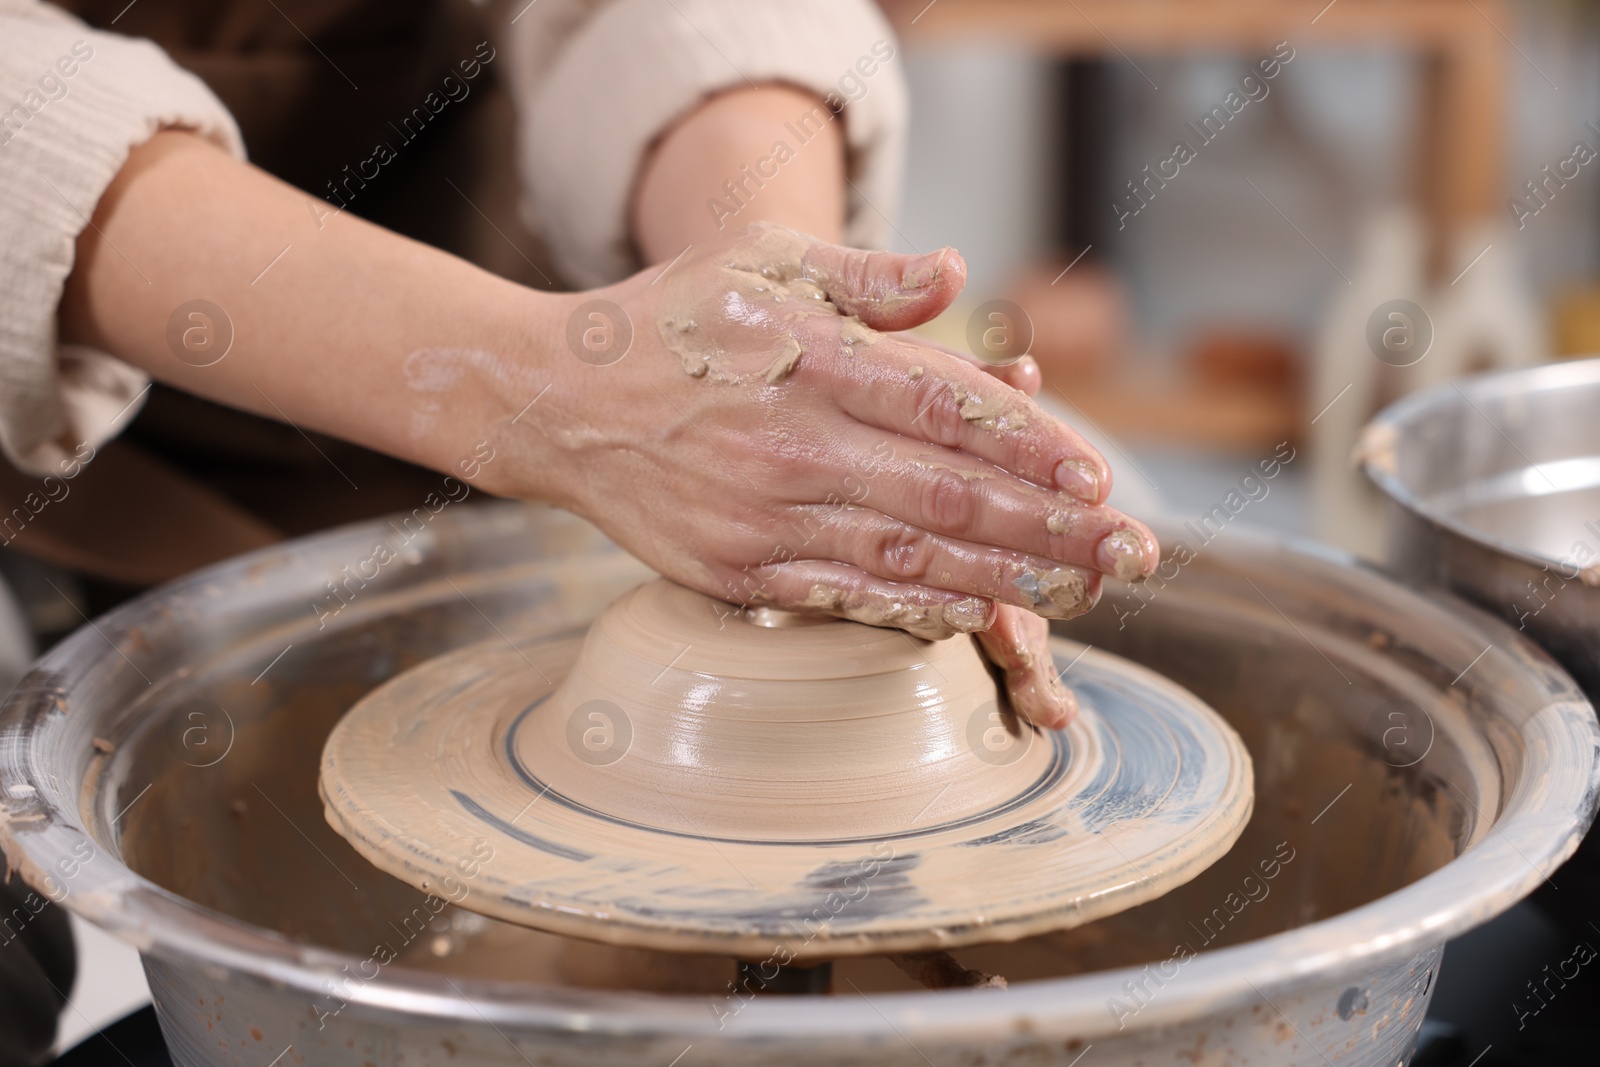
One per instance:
(924, 270)
(1121, 553)
(1079, 478)
(970, 615)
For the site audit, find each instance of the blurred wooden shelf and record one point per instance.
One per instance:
(1459, 133)
(1174, 409)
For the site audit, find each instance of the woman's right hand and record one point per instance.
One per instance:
(763, 440)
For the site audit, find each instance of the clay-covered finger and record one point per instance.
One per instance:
(1019, 644)
(891, 549)
(954, 494)
(819, 587)
(887, 290)
(1023, 374)
(926, 394)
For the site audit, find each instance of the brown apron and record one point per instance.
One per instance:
(314, 86)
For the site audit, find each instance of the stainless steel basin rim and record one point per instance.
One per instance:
(41, 826)
(1411, 410)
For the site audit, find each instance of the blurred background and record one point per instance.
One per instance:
(1432, 159)
(1229, 231)
(1204, 318)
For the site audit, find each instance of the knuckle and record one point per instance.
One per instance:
(903, 553)
(948, 503)
(858, 270)
(938, 415)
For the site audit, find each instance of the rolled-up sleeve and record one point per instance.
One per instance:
(598, 81)
(73, 103)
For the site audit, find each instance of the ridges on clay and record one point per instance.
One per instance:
(697, 770)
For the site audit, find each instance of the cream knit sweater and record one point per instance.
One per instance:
(595, 81)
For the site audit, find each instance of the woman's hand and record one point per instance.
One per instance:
(763, 450)
(763, 441)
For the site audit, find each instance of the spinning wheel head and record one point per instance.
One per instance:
(686, 778)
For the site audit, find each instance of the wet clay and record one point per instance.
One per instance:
(966, 474)
(1126, 549)
(780, 368)
(1061, 593)
(765, 289)
(931, 622)
(855, 332)
(685, 780)
(998, 411)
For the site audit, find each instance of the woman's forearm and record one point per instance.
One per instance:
(739, 158)
(337, 325)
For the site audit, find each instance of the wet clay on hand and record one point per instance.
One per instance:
(774, 438)
(765, 285)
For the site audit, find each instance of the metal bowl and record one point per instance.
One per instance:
(1419, 767)
(1494, 484)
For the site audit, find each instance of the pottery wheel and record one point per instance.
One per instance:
(688, 777)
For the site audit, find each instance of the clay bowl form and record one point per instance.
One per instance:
(688, 778)
(175, 744)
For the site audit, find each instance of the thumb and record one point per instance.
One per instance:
(1019, 644)
(888, 290)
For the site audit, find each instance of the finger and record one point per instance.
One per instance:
(950, 493)
(1019, 644)
(818, 587)
(924, 394)
(892, 550)
(888, 290)
(1023, 374)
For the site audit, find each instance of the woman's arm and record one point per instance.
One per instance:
(337, 325)
(741, 424)
(738, 159)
